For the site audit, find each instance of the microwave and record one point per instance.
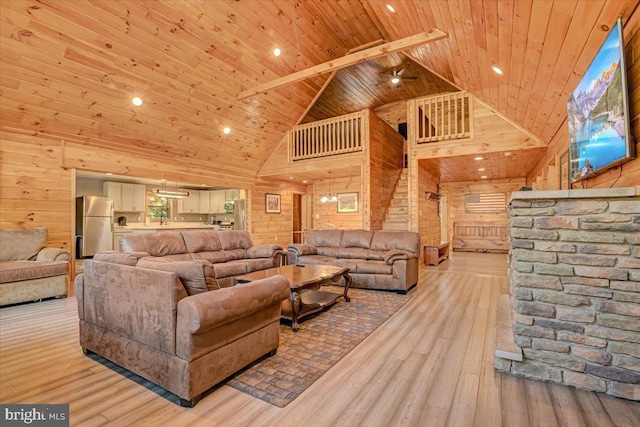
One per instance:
(228, 207)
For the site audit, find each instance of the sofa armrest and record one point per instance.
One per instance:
(302, 249)
(397, 254)
(203, 312)
(78, 285)
(53, 254)
(263, 251)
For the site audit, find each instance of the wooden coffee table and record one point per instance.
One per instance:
(305, 281)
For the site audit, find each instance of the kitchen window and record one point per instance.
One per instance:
(158, 207)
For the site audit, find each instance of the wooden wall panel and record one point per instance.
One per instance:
(34, 189)
(393, 114)
(629, 173)
(271, 228)
(457, 190)
(385, 153)
(428, 217)
(327, 213)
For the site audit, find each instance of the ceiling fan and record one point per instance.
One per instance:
(398, 75)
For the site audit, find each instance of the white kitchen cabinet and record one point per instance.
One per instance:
(190, 204)
(231, 194)
(126, 197)
(114, 191)
(134, 197)
(204, 202)
(216, 201)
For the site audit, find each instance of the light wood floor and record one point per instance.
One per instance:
(428, 365)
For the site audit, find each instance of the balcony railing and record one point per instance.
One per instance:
(444, 117)
(338, 135)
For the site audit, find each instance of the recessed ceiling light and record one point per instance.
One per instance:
(391, 9)
(277, 52)
(507, 153)
(478, 158)
(108, 174)
(203, 185)
(137, 101)
(484, 177)
(290, 177)
(226, 131)
(395, 80)
(305, 181)
(496, 70)
(482, 169)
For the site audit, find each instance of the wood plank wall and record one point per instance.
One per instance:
(428, 217)
(34, 190)
(385, 166)
(324, 213)
(629, 173)
(456, 191)
(271, 228)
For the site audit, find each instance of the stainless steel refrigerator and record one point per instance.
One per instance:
(94, 225)
(239, 214)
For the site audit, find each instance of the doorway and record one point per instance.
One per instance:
(297, 218)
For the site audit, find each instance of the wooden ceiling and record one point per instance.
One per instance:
(368, 85)
(69, 68)
(499, 165)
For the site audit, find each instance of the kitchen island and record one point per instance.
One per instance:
(138, 228)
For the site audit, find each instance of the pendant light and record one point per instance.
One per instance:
(329, 197)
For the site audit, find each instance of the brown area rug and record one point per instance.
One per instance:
(323, 339)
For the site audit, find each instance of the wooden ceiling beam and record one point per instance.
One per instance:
(348, 60)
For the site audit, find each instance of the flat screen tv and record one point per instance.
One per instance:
(598, 113)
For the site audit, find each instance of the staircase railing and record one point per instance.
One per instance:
(444, 117)
(338, 135)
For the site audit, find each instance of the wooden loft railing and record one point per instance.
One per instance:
(444, 117)
(338, 135)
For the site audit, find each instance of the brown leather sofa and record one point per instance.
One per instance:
(385, 260)
(161, 326)
(225, 254)
(29, 270)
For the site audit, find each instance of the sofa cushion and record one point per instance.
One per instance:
(356, 239)
(133, 243)
(376, 255)
(164, 243)
(16, 245)
(345, 262)
(358, 253)
(191, 273)
(263, 251)
(231, 268)
(387, 240)
(213, 256)
(116, 257)
(201, 241)
(256, 264)
(235, 254)
(320, 238)
(373, 267)
(235, 239)
(315, 259)
(16, 271)
(328, 251)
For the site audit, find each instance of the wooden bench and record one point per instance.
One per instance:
(433, 255)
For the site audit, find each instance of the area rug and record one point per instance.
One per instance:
(323, 339)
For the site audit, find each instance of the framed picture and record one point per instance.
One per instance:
(272, 203)
(347, 202)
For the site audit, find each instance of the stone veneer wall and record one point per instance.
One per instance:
(575, 288)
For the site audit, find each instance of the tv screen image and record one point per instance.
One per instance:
(597, 112)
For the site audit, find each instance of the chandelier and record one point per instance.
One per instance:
(329, 197)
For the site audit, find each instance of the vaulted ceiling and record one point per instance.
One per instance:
(69, 68)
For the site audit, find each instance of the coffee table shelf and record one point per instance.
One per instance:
(305, 296)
